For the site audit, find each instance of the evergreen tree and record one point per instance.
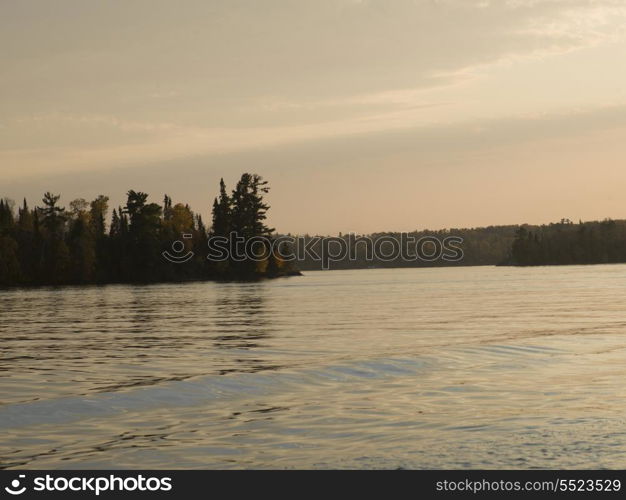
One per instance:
(6, 217)
(143, 234)
(222, 213)
(25, 218)
(115, 228)
(49, 245)
(56, 257)
(249, 212)
(54, 217)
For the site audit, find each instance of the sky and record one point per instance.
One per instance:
(363, 115)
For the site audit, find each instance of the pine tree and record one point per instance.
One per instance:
(249, 210)
(222, 213)
(25, 218)
(53, 216)
(6, 217)
(115, 228)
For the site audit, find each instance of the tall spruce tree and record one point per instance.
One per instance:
(222, 213)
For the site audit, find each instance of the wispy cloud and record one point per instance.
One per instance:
(214, 79)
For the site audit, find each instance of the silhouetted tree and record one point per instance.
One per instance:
(56, 255)
(98, 211)
(568, 243)
(222, 213)
(51, 245)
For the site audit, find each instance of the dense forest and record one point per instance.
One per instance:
(562, 243)
(481, 246)
(53, 245)
(568, 243)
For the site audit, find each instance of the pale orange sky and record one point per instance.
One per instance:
(364, 116)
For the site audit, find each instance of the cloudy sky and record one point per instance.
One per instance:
(364, 115)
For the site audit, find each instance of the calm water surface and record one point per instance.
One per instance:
(424, 368)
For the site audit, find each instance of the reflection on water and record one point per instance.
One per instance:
(466, 367)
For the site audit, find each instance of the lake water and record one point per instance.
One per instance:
(478, 367)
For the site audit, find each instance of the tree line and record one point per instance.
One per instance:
(561, 243)
(54, 245)
(481, 246)
(566, 243)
